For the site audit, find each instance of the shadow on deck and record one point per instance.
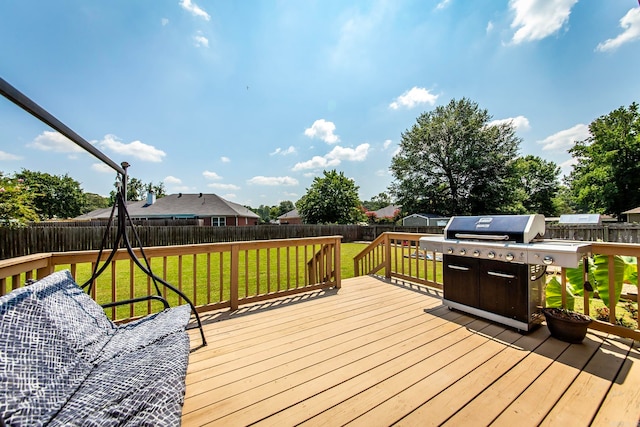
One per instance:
(377, 353)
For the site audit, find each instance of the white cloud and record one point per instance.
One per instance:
(631, 25)
(387, 144)
(334, 158)
(194, 9)
(563, 140)
(220, 186)
(164, 21)
(272, 180)
(537, 19)
(443, 4)
(317, 162)
(183, 189)
(137, 149)
(358, 154)
(101, 168)
(225, 159)
(519, 122)
(290, 150)
(489, 27)
(8, 156)
(323, 130)
(230, 196)
(200, 40)
(54, 141)
(211, 175)
(567, 166)
(413, 97)
(172, 180)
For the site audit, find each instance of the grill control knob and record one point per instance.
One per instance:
(450, 250)
(547, 260)
(476, 253)
(463, 251)
(509, 256)
(491, 255)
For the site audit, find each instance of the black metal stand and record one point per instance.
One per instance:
(123, 218)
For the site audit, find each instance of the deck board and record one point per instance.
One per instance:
(380, 353)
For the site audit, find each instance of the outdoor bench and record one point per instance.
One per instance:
(63, 362)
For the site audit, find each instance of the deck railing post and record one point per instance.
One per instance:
(336, 262)
(233, 280)
(387, 255)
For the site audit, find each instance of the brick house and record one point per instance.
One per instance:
(208, 209)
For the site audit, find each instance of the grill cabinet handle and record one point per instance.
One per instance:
(458, 267)
(501, 275)
(482, 236)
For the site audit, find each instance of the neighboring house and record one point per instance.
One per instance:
(291, 217)
(633, 215)
(387, 212)
(210, 209)
(423, 220)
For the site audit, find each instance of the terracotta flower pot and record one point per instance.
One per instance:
(566, 325)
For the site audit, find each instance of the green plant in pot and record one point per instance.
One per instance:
(568, 325)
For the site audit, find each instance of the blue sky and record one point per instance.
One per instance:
(253, 99)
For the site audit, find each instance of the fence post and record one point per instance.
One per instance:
(233, 285)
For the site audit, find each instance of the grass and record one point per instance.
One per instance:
(260, 272)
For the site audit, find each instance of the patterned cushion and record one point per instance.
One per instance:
(75, 314)
(133, 336)
(63, 362)
(144, 388)
(38, 370)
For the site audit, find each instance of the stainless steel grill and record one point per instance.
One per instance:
(494, 266)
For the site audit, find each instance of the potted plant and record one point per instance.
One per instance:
(566, 325)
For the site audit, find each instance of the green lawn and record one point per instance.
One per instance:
(258, 274)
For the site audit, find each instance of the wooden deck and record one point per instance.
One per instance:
(378, 353)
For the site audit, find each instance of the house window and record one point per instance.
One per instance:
(218, 221)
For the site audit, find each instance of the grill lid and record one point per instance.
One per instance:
(513, 228)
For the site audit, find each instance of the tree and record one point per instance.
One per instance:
(54, 196)
(452, 162)
(95, 201)
(284, 207)
(16, 202)
(606, 176)
(137, 190)
(382, 200)
(332, 199)
(537, 183)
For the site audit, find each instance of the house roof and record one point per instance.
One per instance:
(633, 211)
(291, 214)
(388, 211)
(180, 205)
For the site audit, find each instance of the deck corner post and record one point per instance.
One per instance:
(233, 285)
(387, 255)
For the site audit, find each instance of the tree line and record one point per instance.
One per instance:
(452, 161)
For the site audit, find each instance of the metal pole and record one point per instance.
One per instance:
(22, 101)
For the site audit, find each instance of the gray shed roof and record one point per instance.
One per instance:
(180, 205)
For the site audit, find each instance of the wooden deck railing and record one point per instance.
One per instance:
(398, 255)
(213, 276)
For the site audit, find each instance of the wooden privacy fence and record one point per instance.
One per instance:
(213, 276)
(15, 242)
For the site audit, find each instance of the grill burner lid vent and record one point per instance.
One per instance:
(513, 228)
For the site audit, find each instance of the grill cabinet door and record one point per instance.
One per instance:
(460, 278)
(504, 289)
